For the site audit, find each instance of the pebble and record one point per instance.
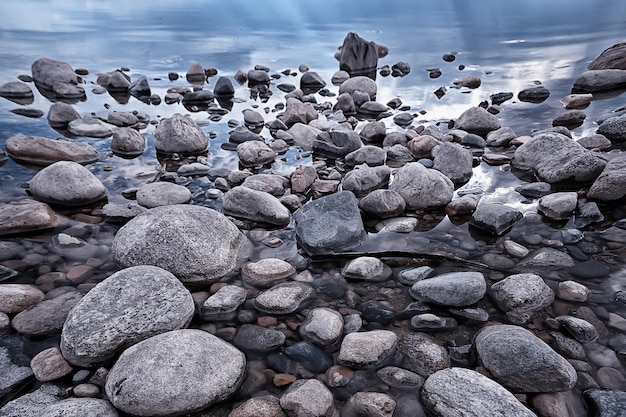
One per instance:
(284, 298)
(251, 337)
(323, 326)
(367, 268)
(224, 303)
(364, 350)
(18, 297)
(572, 291)
(49, 365)
(581, 330)
(432, 322)
(373, 403)
(266, 272)
(412, 275)
(456, 289)
(308, 397)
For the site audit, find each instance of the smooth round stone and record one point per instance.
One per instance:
(363, 350)
(67, 183)
(16, 90)
(263, 405)
(284, 298)
(399, 377)
(359, 83)
(158, 194)
(309, 356)
(267, 272)
(224, 303)
(60, 114)
(37, 150)
(476, 314)
(18, 297)
(416, 184)
(397, 225)
(86, 390)
(372, 403)
(580, 329)
(251, 337)
(546, 258)
(590, 270)
(91, 128)
(5, 323)
(253, 152)
(258, 206)
(558, 206)
(71, 407)
(572, 291)
(128, 142)
(413, 275)
(129, 306)
(456, 289)
(522, 294)
(49, 365)
(495, 218)
(175, 373)
(515, 249)
(308, 397)
(45, 318)
(367, 268)
(179, 134)
(430, 322)
(323, 326)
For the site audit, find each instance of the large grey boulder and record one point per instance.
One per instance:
(612, 57)
(454, 161)
(67, 183)
(330, 224)
(37, 150)
(337, 143)
(478, 121)
(522, 294)
(129, 306)
(495, 218)
(611, 184)
(600, 80)
(454, 289)
(614, 128)
(197, 244)
(359, 83)
(258, 206)
(521, 361)
(80, 407)
(364, 180)
(58, 77)
(358, 56)
(422, 188)
(557, 158)
(463, 392)
(175, 373)
(179, 134)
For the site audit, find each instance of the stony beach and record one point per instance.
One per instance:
(345, 268)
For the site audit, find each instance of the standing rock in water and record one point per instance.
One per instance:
(358, 56)
(614, 128)
(128, 142)
(477, 120)
(58, 77)
(180, 134)
(157, 237)
(67, 183)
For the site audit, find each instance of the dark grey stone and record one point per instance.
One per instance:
(258, 206)
(358, 56)
(455, 289)
(495, 218)
(253, 338)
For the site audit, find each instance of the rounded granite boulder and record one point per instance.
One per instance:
(67, 183)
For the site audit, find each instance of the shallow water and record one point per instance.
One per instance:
(509, 45)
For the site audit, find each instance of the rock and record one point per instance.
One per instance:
(54, 75)
(500, 137)
(337, 143)
(195, 73)
(253, 153)
(76, 407)
(269, 183)
(595, 141)
(422, 146)
(345, 104)
(432, 322)
(591, 269)
(267, 272)
(367, 268)
(303, 135)
(224, 88)
(456, 289)
(18, 297)
(399, 378)
(308, 397)
(302, 178)
(323, 326)
(118, 82)
(121, 213)
(611, 57)
(339, 77)
(571, 119)
(257, 206)
(576, 101)
(37, 150)
(495, 218)
(253, 120)
(522, 294)
(362, 181)
(614, 128)
(454, 161)
(49, 365)
(263, 405)
(67, 183)
(17, 92)
(127, 301)
(422, 188)
(572, 291)
(372, 109)
(559, 206)
(298, 112)
(358, 57)
(469, 81)
(546, 257)
(140, 88)
(370, 155)
(15, 371)
(383, 204)
(412, 275)
(25, 215)
(422, 354)
(606, 403)
(90, 127)
(580, 329)
(459, 391)
(499, 98)
(534, 189)
(34, 403)
(515, 249)
(611, 184)
(373, 132)
(309, 356)
(179, 134)
(122, 119)
(372, 404)
(521, 362)
(223, 304)
(198, 98)
(158, 194)
(208, 370)
(330, 224)
(477, 120)
(128, 142)
(258, 77)
(253, 338)
(311, 82)
(376, 312)
(593, 81)
(45, 318)
(359, 83)
(60, 114)
(284, 298)
(364, 350)
(463, 205)
(537, 94)
(398, 155)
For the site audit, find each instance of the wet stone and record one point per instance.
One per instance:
(14, 364)
(417, 185)
(422, 354)
(33, 404)
(253, 153)
(254, 205)
(158, 194)
(431, 322)
(18, 297)
(456, 289)
(179, 134)
(535, 94)
(269, 183)
(367, 268)
(611, 183)
(121, 213)
(567, 346)
(308, 397)
(42, 151)
(372, 403)
(323, 326)
(495, 218)
(128, 142)
(546, 257)
(477, 120)
(398, 377)
(309, 356)
(251, 337)
(374, 311)
(267, 272)
(590, 270)
(46, 317)
(558, 206)
(413, 275)
(49, 365)
(25, 215)
(383, 203)
(534, 189)
(580, 329)
(606, 403)
(367, 349)
(515, 249)
(263, 405)
(522, 294)
(67, 183)
(284, 298)
(224, 303)
(80, 407)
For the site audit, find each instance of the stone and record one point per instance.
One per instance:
(158, 194)
(76, 407)
(224, 87)
(454, 161)
(595, 141)
(422, 188)
(372, 109)
(25, 215)
(373, 132)
(308, 397)
(611, 57)
(614, 128)
(364, 350)
(45, 318)
(412, 275)
(515, 249)
(455, 289)
(477, 120)
(499, 98)
(593, 81)
(122, 119)
(49, 365)
(17, 91)
(128, 142)
(558, 206)
(15, 298)
(521, 362)
(398, 155)
(269, 183)
(572, 291)
(303, 135)
(207, 370)
(50, 74)
(469, 81)
(121, 213)
(15, 371)
(257, 206)
(571, 119)
(210, 241)
(534, 189)
(382, 203)
(323, 326)
(126, 303)
(606, 403)
(522, 294)
(311, 82)
(400, 69)
(60, 114)
(263, 405)
(257, 77)
(358, 57)
(67, 183)
(267, 272)
(363, 181)
(576, 101)
(422, 354)
(337, 143)
(195, 73)
(537, 94)
(580, 329)
(223, 304)
(179, 134)
(376, 312)
(298, 112)
(302, 178)
(284, 298)
(432, 322)
(495, 218)
(366, 268)
(372, 403)
(330, 224)
(253, 338)
(309, 356)
(359, 83)
(464, 205)
(200, 98)
(422, 146)
(34, 403)
(546, 258)
(500, 137)
(399, 377)
(369, 154)
(254, 153)
(459, 391)
(611, 184)
(556, 158)
(91, 127)
(117, 82)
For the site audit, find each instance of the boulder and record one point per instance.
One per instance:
(454, 289)
(369, 154)
(161, 193)
(60, 114)
(45, 318)
(128, 142)
(477, 120)
(17, 91)
(179, 134)
(611, 184)
(311, 82)
(359, 83)
(337, 143)
(454, 161)
(25, 215)
(175, 373)
(422, 188)
(210, 241)
(558, 206)
(37, 150)
(363, 181)
(522, 295)
(612, 57)
(358, 57)
(593, 81)
(536, 94)
(495, 218)
(614, 128)
(253, 153)
(257, 206)
(383, 204)
(56, 76)
(224, 88)
(67, 183)
(298, 112)
(364, 350)
(34, 403)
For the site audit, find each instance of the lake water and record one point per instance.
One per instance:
(509, 45)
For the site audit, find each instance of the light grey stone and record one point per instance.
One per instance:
(49, 365)
(175, 373)
(580, 329)
(412, 275)
(477, 120)
(455, 289)
(18, 297)
(37, 150)
(367, 268)
(60, 114)
(179, 134)
(67, 183)
(303, 135)
(91, 127)
(270, 183)
(45, 318)
(284, 298)
(298, 112)
(257, 206)
(422, 188)
(546, 258)
(129, 306)
(501, 137)
(310, 398)
(159, 194)
(359, 83)
(364, 350)
(383, 203)
(80, 407)
(422, 354)
(522, 294)
(454, 161)
(262, 405)
(611, 184)
(592, 81)
(399, 377)
(558, 206)
(224, 303)
(128, 142)
(253, 152)
(121, 213)
(34, 403)
(323, 326)
(364, 180)
(375, 404)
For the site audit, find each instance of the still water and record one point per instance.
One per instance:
(509, 45)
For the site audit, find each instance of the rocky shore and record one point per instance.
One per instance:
(370, 280)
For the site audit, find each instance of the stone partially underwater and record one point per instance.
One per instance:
(371, 275)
